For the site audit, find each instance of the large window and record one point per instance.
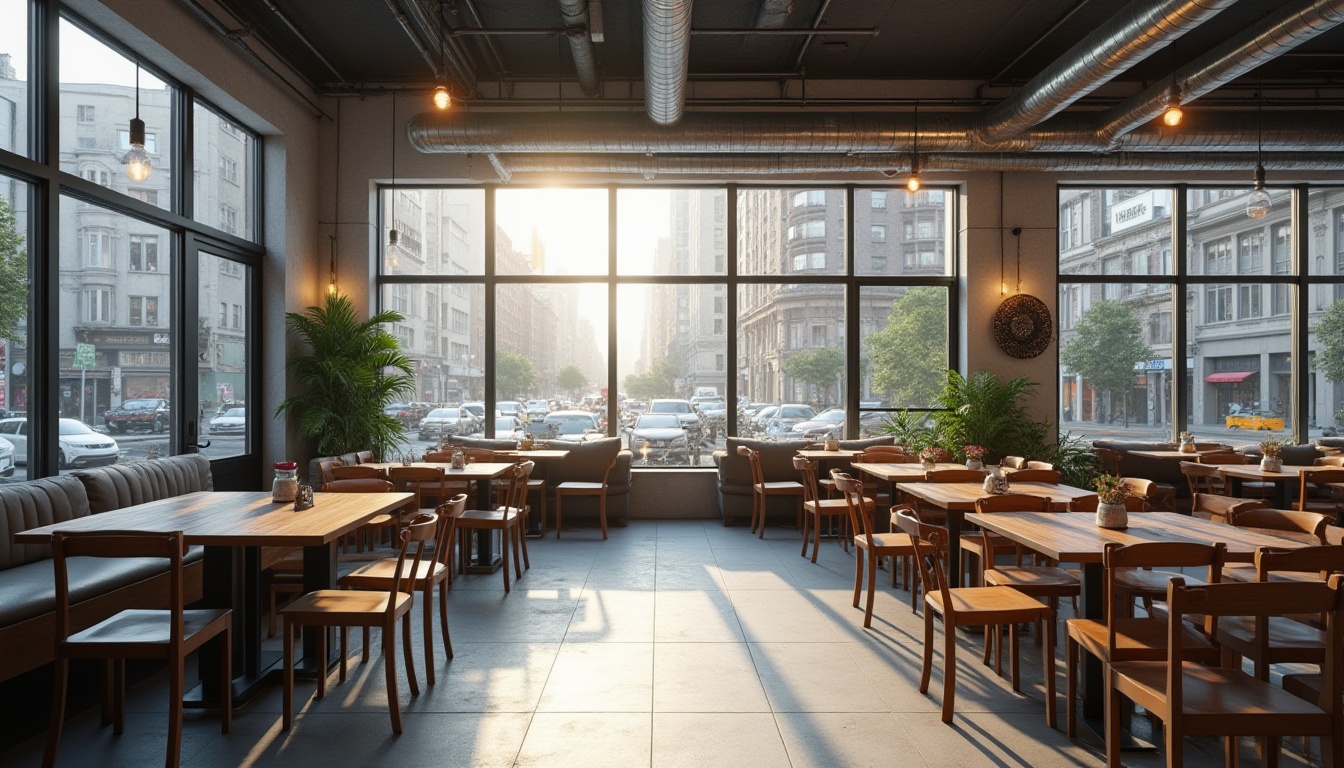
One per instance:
(699, 351)
(14, 86)
(225, 178)
(15, 272)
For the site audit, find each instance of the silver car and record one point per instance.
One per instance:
(660, 438)
(80, 446)
(6, 458)
(446, 421)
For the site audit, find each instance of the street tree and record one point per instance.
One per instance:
(659, 381)
(819, 367)
(1108, 343)
(909, 356)
(13, 274)
(570, 379)
(515, 377)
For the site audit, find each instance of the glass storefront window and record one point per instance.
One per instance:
(98, 98)
(439, 232)
(551, 232)
(790, 351)
(791, 231)
(902, 233)
(223, 153)
(14, 87)
(222, 368)
(15, 277)
(673, 232)
(904, 347)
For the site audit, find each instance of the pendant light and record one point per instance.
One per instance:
(1172, 115)
(1258, 204)
(442, 98)
(912, 183)
(393, 237)
(138, 165)
(332, 288)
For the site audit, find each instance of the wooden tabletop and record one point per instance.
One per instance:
(246, 518)
(962, 496)
(898, 473)
(1254, 472)
(482, 470)
(1073, 537)
(539, 454)
(816, 454)
(1178, 455)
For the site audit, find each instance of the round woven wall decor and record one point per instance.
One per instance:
(1022, 326)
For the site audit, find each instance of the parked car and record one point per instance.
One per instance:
(80, 446)
(537, 409)
(573, 425)
(508, 428)
(1254, 420)
(512, 408)
(782, 421)
(477, 411)
(409, 414)
(763, 414)
(6, 458)
(446, 421)
(681, 408)
(631, 410)
(148, 413)
(828, 423)
(231, 422)
(660, 438)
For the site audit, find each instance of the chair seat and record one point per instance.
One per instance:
(1138, 639)
(1153, 582)
(573, 486)
(344, 606)
(1286, 637)
(833, 506)
(991, 605)
(378, 574)
(1034, 580)
(781, 486)
(1214, 695)
(882, 542)
(1245, 572)
(144, 627)
(472, 517)
(380, 520)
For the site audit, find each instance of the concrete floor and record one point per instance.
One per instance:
(675, 643)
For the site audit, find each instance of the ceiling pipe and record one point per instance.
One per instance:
(831, 132)
(773, 14)
(894, 164)
(288, 22)
(440, 69)
(667, 52)
(575, 14)
(1140, 29)
(1265, 40)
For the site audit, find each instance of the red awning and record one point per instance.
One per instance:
(1230, 377)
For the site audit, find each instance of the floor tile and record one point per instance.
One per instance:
(854, 740)
(587, 740)
(709, 740)
(706, 677)
(695, 616)
(814, 677)
(600, 677)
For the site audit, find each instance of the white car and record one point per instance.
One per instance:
(573, 425)
(80, 446)
(447, 421)
(508, 428)
(537, 409)
(233, 421)
(6, 458)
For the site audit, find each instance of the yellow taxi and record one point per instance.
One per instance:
(1254, 420)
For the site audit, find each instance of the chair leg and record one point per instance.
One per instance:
(1113, 705)
(322, 657)
(927, 670)
(1013, 637)
(288, 697)
(858, 575)
(522, 538)
(225, 651)
(559, 513)
(807, 524)
(105, 698)
(949, 671)
(872, 579)
(504, 551)
(409, 653)
(1050, 715)
(345, 643)
(1070, 686)
(176, 687)
(390, 671)
(428, 599)
(364, 653)
(119, 696)
(816, 535)
(60, 671)
(443, 620)
(512, 533)
(602, 513)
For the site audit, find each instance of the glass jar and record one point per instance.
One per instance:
(1187, 443)
(285, 486)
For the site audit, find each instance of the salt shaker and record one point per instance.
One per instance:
(286, 483)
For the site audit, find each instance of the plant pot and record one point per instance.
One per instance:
(1112, 516)
(928, 465)
(975, 464)
(1271, 464)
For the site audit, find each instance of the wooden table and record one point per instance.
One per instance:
(538, 454)
(816, 454)
(1075, 538)
(959, 498)
(233, 527)
(1176, 455)
(488, 555)
(1284, 482)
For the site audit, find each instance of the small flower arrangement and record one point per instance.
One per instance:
(931, 454)
(1271, 446)
(1109, 490)
(1187, 436)
(973, 451)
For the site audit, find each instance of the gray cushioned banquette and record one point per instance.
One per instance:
(124, 485)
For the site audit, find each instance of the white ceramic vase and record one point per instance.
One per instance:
(975, 464)
(1271, 464)
(1112, 516)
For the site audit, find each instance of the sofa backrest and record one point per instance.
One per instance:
(864, 443)
(586, 461)
(24, 506)
(494, 444)
(776, 460)
(123, 485)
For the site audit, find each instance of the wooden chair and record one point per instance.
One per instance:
(1158, 495)
(324, 468)
(866, 540)
(816, 509)
(1013, 462)
(345, 608)
(508, 518)
(1110, 461)
(1196, 700)
(1033, 476)
(881, 454)
(1040, 465)
(1312, 688)
(424, 482)
(761, 491)
(985, 548)
(576, 488)
(378, 523)
(1329, 461)
(364, 457)
(437, 570)
(1202, 478)
(170, 634)
(1314, 480)
(1121, 636)
(357, 472)
(969, 606)
(1211, 506)
(1040, 581)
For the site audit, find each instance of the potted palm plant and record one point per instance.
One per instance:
(353, 370)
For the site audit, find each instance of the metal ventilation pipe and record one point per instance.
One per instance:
(773, 13)
(575, 13)
(1272, 36)
(667, 53)
(1124, 40)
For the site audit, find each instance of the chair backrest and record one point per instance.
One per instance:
(1333, 535)
(357, 472)
(930, 544)
(422, 529)
(894, 450)
(422, 481)
(872, 456)
(1281, 520)
(324, 468)
(1110, 460)
(360, 485)
(438, 457)
(448, 513)
(1330, 461)
(1202, 478)
(1310, 477)
(1220, 508)
(1040, 465)
(1325, 559)
(954, 476)
(852, 490)
(1014, 462)
(1034, 476)
(1227, 457)
(166, 546)
(1012, 502)
(754, 459)
(1155, 554)
(515, 493)
(808, 469)
(1089, 503)
(364, 457)
(479, 455)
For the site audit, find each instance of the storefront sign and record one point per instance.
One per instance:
(84, 356)
(1132, 212)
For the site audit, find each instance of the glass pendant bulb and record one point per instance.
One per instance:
(442, 99)
(1259, 204)
(137, 162)
(1173, 115)
(912, 183)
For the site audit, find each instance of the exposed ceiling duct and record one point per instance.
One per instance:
(667, 54)
(773, 13)
(1122, 41)
(652, 166)
(429, 51)
(575, 13)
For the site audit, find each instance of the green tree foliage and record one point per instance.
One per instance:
(13, 274)
(355, 369)
(1108, 344)
(659, 381)
(1330, 332)
(909, 356)
(819, 367)
(570, 379)
(514, 376)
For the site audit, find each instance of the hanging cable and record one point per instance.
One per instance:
(332, 287)
(1017, 233)
(1003, 284)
